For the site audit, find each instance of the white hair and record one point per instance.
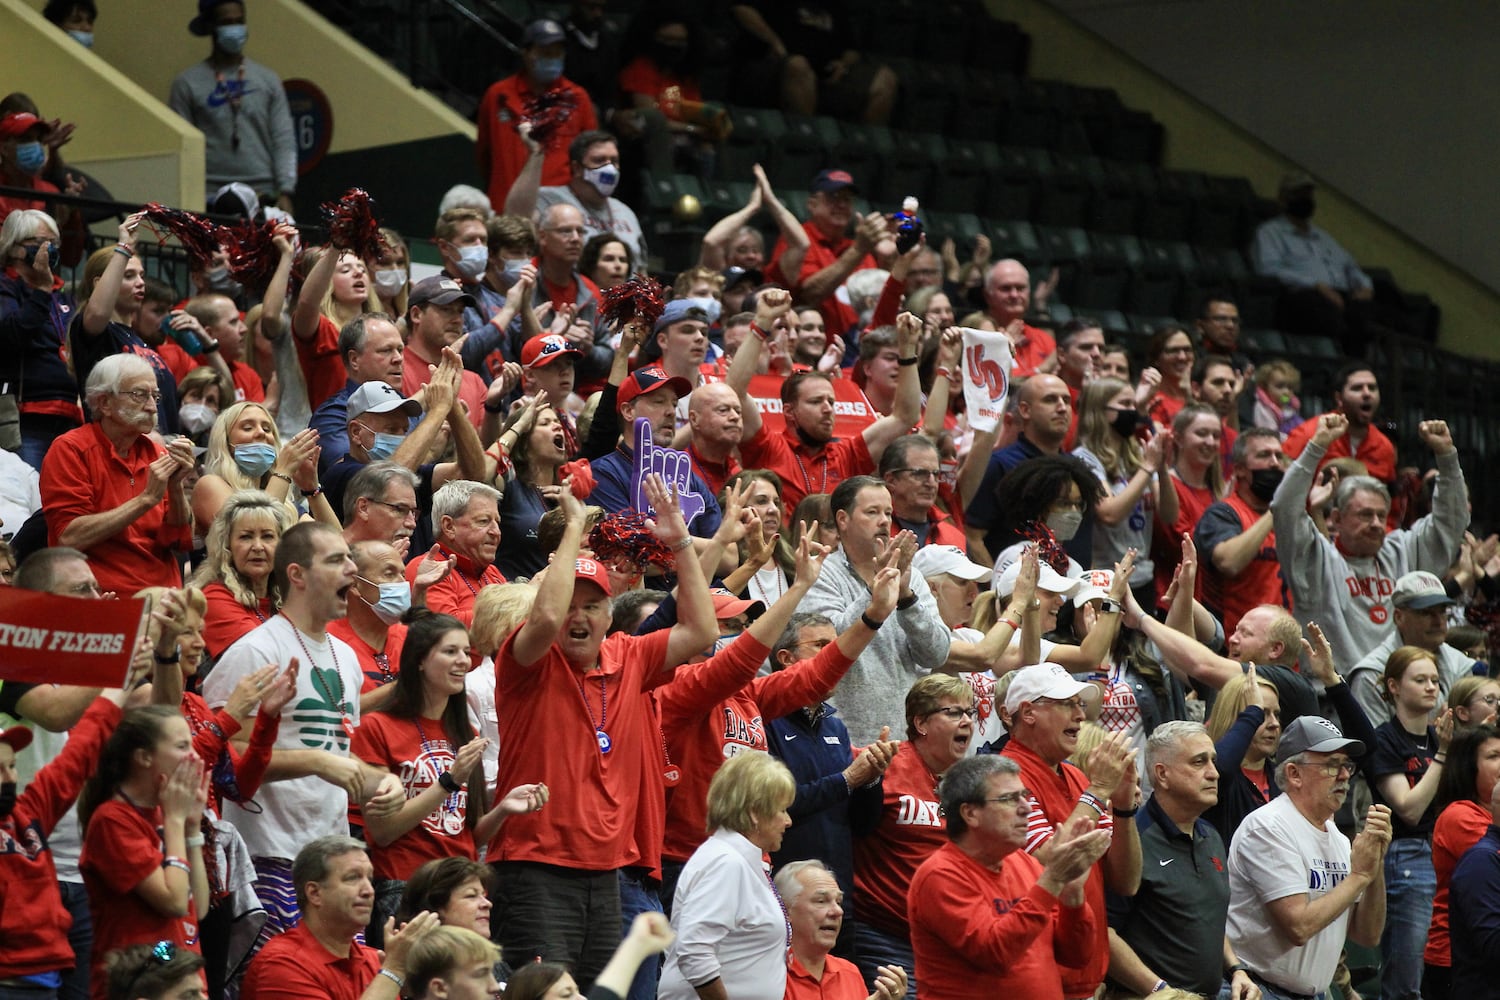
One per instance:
(788, 883)
(110, 374)
(23, 224)
(465, 196)
(453, 499)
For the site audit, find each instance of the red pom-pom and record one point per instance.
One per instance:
(628, 534)
(546, 111)
(1047, 548)
(639, 296)
(352, 224)
(252, 254)
(200, 237)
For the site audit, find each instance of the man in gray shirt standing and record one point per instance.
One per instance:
(240, 108)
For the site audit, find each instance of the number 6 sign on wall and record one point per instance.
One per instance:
(987, 365)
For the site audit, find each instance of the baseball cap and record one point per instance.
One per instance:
(1309, 732)
(545, 349)
(592, 571)
(734, 275)
(726, 605)
(236, 198)
(18, 123)
(1092, 585)
(1043, 680)
(203, 24)
(1047, 579)
(439, 291)
(933, 560)
(542, 32)
(649, 379)
(378, 397)
(19, 737)
(678, 310)
(1419, 590)
(1297, 181)
(833, 180)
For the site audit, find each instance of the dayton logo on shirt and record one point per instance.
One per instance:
(918, 812)
(1003, 906)
(741, 733)
(1324, 875)
(319, 720)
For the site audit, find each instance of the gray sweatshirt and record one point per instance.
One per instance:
(912, 643)
(267, 155)
(1351, 598)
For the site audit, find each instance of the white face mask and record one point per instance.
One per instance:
(390, 281)
(1065, 524)
(472, 261)
(605, 179)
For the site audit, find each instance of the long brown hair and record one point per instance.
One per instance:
(1121, 457)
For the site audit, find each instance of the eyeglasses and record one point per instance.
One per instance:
(925, 475)
(162, 953)
(1334, 768)
(141, 395)
(84, 589)
(816, 644)
(1009, 798)
(955, 713)
(402, 510)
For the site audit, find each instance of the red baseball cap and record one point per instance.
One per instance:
(649, 379)
(594, 572)
(19, 737)
(547, 348)
(18, 123)
(726, 605)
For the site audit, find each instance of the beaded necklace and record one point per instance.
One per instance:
(450, 802)
(320, 683)
(605, 745)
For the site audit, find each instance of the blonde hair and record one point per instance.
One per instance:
(399, 250)
(1278, 366)
(927, 692)
(1230, 703)
(218, 566)
(1090, 735)
(441, 952)
(498, 610)
(748, 788)
(219, 458)
(1120, 458)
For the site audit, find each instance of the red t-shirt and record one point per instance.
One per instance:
(1258, 583)
(414, 375)
(395, 638)
(644, 77)
(296, 966)
(841, 980)
(82, 475)
(248, 388)
(398, 746)
(802, 470)
(177, 359)
(972, 925)
(455, 593)
(501, 152)
(1054, 795)
(227, 620)
(1459, 827)
(1166, 544)
(1376, 450)
(547, 715)
(822, 252)
(1164, 409)
(911, 828)
(1036, 346)
(122, 847)
(322, 368)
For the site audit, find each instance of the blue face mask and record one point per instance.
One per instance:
(231, 37)
(31, 157)
(546, 70)
(84, 38)
(472, 261)
(54, 255)
(513, 270)
(254, 460)
(395, 600)
(385, 446)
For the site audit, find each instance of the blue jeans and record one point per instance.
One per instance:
(1409, 886)
(75, 983)
(874, 948)
(638, 895)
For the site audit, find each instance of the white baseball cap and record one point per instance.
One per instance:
(935, 560)
(1092, 585)
(1047, 579)
(1044, 680)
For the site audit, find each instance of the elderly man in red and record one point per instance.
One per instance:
(111, 491)
(466, 523)
(1007, 296)
(815, 911)
(832, 255)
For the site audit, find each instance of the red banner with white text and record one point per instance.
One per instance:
(47, 639)
(852, 412)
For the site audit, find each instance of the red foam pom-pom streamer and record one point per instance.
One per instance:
(1047, 548)
(200, 237)
(352, 224)
(546, 111)
(638, 296)
(252, 254)
(628, 534)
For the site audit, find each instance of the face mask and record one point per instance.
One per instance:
(395, 601)
(710, 306)
(385, 446)
(254, 460)
(54, 256)
(546, 70)
(7, 799)
(231, 37)
(1125, 422)
(1263, 483)
(84, 38)
(30, 158)
(1064, 524)
(1301, 207)
(513, 270)
(472, 261)
(605, 179)
(390, 281)
(196, 418)
(218, 280)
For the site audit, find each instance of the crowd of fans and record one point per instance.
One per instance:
(487, 633)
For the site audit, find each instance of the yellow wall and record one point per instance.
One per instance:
(127, 139)
(1200, 139)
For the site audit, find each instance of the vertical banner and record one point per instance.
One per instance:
(46, 639)
(987, 364)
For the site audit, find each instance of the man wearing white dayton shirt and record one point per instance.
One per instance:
(314, 574)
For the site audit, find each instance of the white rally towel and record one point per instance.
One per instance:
(986, 366)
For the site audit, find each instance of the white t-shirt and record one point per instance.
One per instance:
(479, 692)
(1278, 853)
(987, 725)
(297, 810)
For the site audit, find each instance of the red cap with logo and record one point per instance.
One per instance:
(594, 572)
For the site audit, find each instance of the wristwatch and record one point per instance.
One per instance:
(1109, 607)
(449, 784)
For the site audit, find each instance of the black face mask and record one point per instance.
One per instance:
(1125, 422)
(1263, 483)
(1301, 207)
(7, 799)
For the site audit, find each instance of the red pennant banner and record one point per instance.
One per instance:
(46, 639)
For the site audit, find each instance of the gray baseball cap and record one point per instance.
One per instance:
(1318, 735)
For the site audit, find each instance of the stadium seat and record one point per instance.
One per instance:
(1015, 239)
(910, 168)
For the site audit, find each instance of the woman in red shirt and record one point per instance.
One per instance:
(236, 575)
(1198, 478)
(141, 815)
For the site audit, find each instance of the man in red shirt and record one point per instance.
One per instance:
(502, 151)
(1236, 536)
(983, 909)
(435, 317)
(320, 957)
(806, 455)
(572, 708)
(222, 320)
(109, 490)
(832, 255)
(717, 423)
(1045, 705)
(559, 282)
(1356, 395)
(1007, 296)
(466, 516)
(814, 908)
